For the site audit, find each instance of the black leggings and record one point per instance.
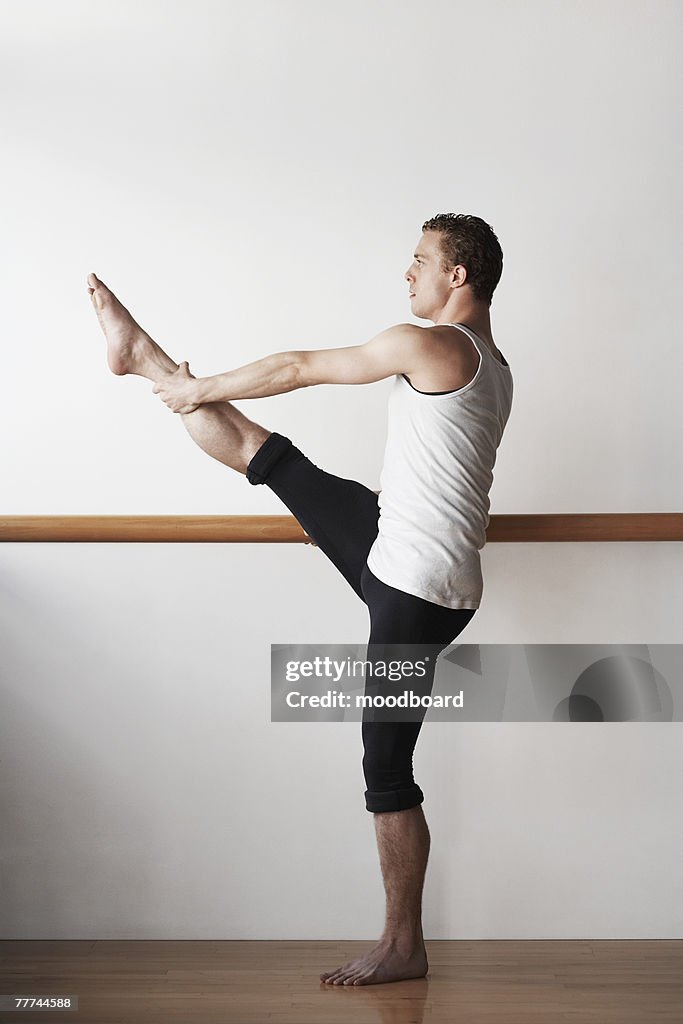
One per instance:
(342, 517)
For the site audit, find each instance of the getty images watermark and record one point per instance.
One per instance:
(477, 682)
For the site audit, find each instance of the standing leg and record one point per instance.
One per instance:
(401, 830)
(403, 845)
(219, 429)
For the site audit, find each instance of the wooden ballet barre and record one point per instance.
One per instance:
(254, 529)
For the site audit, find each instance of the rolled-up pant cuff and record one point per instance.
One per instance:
(271, 451)
(394, 799)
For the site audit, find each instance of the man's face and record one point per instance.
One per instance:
(429, 284)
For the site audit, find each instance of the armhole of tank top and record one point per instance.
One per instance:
(457, 391)
(433, 394)
(477, 375)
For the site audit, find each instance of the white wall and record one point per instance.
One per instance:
(253, 178)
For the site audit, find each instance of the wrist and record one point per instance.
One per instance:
(201, 391)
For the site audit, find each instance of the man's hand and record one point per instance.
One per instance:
(178, 390)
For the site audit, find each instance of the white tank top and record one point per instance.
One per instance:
(435, 480)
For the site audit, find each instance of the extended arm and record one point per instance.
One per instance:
(274, 375)
(394, 350)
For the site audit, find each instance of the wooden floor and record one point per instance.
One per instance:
(516, 982)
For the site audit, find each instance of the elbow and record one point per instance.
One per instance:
(300, 370)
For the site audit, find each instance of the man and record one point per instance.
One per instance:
(412, 555)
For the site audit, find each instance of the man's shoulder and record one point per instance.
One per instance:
(406, 339)
(412, 337)
(404, 331)
(432, 335)
(436, 343)
(445, 359)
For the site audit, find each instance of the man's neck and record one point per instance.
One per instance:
(476, 317)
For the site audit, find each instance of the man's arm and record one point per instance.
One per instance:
(274, 375)
(394, 350)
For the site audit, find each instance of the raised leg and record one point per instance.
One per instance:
(225, 434)
(218, 428)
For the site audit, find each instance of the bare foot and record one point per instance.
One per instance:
(129, 348)
(382, 964)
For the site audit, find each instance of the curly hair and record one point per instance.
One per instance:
(472, 243)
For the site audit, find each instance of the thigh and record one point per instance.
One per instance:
(397, 617)
(406, 628)
(340, 515)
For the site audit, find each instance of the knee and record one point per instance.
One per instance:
(260, 462)
(384, 775)
(388, 769)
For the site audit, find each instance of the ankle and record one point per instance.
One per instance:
(152, 363)
(406, 939)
